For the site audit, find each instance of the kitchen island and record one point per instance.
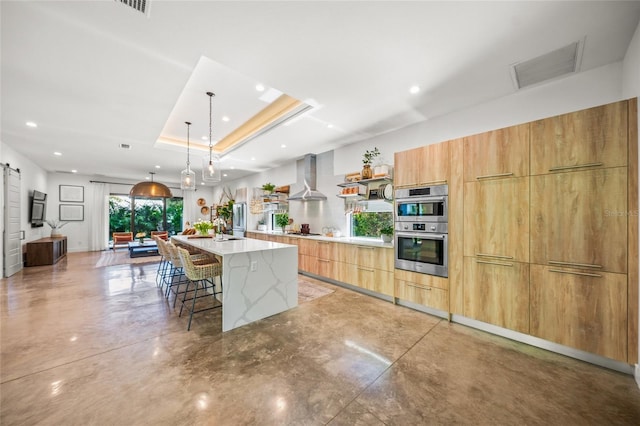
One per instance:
(259, 278)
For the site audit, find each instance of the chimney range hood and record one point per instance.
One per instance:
(309, 193)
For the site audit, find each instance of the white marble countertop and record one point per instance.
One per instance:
(227, 247)
(345, 240)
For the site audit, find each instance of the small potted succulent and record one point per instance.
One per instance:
(387, 233)
(261, 225)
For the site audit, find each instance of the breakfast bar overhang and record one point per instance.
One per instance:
(259, 278)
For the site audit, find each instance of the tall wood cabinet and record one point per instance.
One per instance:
(427, 165)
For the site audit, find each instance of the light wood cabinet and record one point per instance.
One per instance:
(498, 153)
(595, 137)
(425, 165)
(367, 256)
(580, 218)
(307, 247)
(327, 250)
(308, 263)
(327, 268)
(497, 292)
(496, 219)
(432, 297)
(428, 290)
(583, 310)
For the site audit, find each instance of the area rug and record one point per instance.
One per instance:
(121, 257)
(308, 291)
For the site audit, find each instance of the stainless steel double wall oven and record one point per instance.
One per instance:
(422, 229)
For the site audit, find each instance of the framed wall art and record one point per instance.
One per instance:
(72, 193)
(71, 212)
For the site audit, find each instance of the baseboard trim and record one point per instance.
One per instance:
(637, 374)
(348, 286)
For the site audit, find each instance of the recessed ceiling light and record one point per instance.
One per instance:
(330, 126)
(283, 146)
(259, 87)
(57, 153)
(147, 178)
(253, 158)
(157, 167)
(225, 118)
(201, 183)
(205, 138)
(31, 124)
(225, 175)
(414, 89)
(74, 171)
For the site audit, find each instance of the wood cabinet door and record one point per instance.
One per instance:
(580, 219)
(431, 297)
(375, 280)
(308, 263)
(583, 310)
(496, 219)
(498, 153)
(429, 164)
(308, 247)
(328, 268)
(327, 250)
(594, 137)
(497, 292)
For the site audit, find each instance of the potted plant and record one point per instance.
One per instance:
(387, 233)
(282, 220)
(367, 159)
(56, 225)
(268, 188)
(203, 226)
(261, 225)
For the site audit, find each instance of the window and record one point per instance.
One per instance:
(367, 222)
(150, 214)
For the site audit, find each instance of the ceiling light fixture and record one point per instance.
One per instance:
(414, 89)
(283, 146)
(31, 124)
(211, 165)
(157, 167)
(150, 189)
(57, 154)
(74, 171)
(225, 118)
(259, 87)
(187, 177)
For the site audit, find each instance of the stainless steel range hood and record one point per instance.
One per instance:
(309, 193)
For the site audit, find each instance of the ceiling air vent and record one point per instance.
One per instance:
(125, 146)
(565, 60)
(141, 6)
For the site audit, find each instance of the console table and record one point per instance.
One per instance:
(46, 251)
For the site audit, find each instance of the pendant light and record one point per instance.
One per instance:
(150, 189)
(187, 177)
(211, 165)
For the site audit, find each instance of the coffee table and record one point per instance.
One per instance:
(147, 248)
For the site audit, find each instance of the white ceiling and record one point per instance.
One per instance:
(96, 74)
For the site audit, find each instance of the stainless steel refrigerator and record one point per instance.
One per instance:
(239, 219)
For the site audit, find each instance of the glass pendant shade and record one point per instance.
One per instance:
(211, 169)
(187, 179)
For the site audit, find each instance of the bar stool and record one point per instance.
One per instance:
(163, 265)
(175, 275)
(200, 275)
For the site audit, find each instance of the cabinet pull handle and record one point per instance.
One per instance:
(494, 263)
(435, 182)
(420, 287)
(582, 265)
(365, 247)
(323, 242)
(323, 260)
(586, 274)
(577, 166)
(499, 175)
(493, 255)
(366, 269)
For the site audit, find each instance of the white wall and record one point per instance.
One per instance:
(630, 89)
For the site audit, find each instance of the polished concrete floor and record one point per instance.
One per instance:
(101, 346)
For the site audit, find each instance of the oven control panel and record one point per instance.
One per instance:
(431, 227)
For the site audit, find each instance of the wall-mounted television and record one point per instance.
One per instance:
(38, 211)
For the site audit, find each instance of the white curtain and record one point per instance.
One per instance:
(189, 206)
(99, 234)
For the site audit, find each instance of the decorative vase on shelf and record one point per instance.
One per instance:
(55, 233)
(367, 173)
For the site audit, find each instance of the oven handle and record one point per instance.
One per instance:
(422, 235)
(420, 199)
